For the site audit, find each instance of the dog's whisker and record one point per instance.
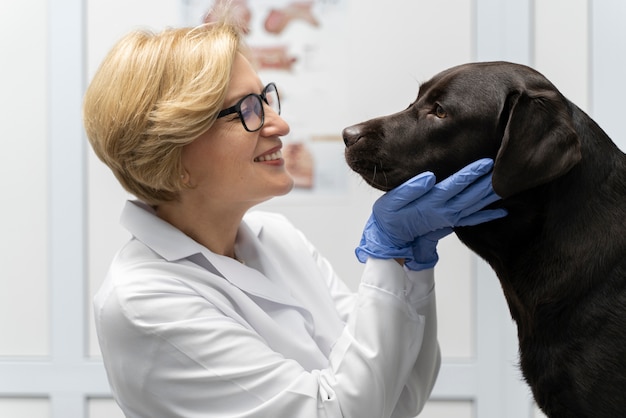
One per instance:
(374, 175)
(385, 183)
(386, 180)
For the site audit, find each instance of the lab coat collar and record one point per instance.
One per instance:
(160, 236)
(173, 245)
(164, 238)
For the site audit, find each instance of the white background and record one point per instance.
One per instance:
(60, 206)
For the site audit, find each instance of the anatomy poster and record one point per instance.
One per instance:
(299, 45)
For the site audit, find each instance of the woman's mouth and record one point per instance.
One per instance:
(276, 155)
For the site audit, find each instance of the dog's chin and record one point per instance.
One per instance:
(376, 185)
(371, 172)
(379, 179)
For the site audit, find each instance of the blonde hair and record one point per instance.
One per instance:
(153, 94)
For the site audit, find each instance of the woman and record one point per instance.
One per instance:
(213, 311)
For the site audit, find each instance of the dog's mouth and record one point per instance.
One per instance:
(376, 178)
(373, 170)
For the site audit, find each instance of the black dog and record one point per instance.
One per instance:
(560, 254)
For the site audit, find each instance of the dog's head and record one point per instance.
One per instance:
(504, 111)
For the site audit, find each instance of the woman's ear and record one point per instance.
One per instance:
(539, 143)
(184, 178)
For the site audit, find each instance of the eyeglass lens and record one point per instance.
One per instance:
(251, 108)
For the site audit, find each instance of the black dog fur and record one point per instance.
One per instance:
(560, 254)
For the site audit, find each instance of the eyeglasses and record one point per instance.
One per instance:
(250, 108)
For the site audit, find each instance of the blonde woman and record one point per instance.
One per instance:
(214, 311)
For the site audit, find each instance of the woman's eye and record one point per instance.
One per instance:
(440, 112)
(246, 113)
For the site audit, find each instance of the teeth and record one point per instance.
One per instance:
(275, 156)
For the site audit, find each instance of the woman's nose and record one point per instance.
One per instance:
(274, 124)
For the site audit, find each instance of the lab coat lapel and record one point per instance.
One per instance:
(245, 278)
(255, 254)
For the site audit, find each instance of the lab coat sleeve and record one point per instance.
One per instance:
(414, 291)
(399, 345)
(419, 293)
(425, 370)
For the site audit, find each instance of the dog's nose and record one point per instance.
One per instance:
(351, 135)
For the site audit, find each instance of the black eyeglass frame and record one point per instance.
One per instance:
(262, 97)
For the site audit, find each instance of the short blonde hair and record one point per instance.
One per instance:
(153, 94)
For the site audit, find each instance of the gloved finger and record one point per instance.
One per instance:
(475, 197)
(407, 192)
(438, 234)
(463, 178)
(482, 216)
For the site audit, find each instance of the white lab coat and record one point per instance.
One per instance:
(188, 333)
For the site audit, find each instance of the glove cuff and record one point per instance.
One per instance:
(364, 251)
(417, 266)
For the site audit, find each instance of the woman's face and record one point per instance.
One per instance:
(231, 166)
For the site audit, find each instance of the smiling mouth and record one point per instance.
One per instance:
(277, 155)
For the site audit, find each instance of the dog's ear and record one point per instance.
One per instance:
(539, 143)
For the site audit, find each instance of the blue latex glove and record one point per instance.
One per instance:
(403, 219)
(424, 250)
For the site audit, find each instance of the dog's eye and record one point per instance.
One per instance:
(440, 112)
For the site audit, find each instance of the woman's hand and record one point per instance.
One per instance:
(415, 215)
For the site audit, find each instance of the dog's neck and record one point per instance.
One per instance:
(561, 224)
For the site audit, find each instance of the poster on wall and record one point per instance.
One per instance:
(299, 45)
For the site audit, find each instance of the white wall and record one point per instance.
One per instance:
(23, 170)
(60, 205)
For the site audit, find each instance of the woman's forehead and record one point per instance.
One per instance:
(243, 80)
